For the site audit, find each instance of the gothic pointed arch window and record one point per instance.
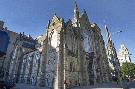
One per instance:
(71, 66)
(86, 40)
(51, 33)
(53, 38)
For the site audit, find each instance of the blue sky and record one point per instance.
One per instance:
(31, 16)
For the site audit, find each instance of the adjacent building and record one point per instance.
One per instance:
(23, 45)
(73, 53)
(15, 46)
(123, 54)
(112, 56)
(7, 45)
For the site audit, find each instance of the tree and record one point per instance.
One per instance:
(128, 69)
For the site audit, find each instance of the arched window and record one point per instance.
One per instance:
(71, 66)
(53, 37)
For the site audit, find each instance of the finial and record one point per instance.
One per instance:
(84, 10)
(106, 28)
(23, 33)
(75, 5)
(55, 13)
(48, 24)
(107, 34)
(76, 12)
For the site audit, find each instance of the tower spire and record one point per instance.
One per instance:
(108, 37)
(107, 32)
(76, 12)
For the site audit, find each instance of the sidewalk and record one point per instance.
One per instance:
(100, 86)
(26, 86)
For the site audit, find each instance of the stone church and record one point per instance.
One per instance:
(70, 54)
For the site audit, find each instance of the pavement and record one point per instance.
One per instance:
(131, 85)
(112, 85)
(26, 86)
(101, 86)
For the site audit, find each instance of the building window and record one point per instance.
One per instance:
(71, 66)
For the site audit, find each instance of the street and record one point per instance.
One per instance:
(105, 86)
(26, 86)
(131, 85)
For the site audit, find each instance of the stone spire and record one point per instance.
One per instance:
(75, 21)
(85, 16)
(109, 43)
(108, 37)
(111, 53)
(76, 11)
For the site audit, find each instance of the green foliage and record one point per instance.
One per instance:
(128, 69)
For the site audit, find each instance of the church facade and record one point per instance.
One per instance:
(70, 54)
(73, 53)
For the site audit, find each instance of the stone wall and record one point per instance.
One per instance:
(11, 46)
(30, 68)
